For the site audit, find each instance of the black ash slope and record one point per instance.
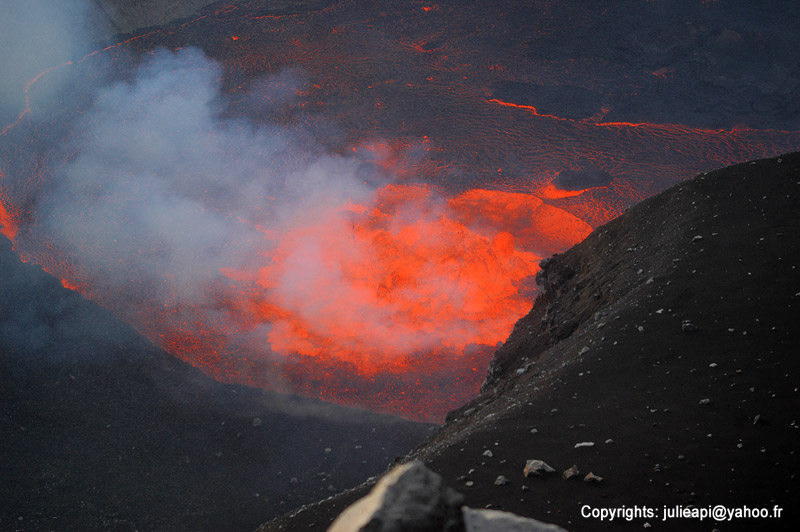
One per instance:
(99, 430)
(668, 339)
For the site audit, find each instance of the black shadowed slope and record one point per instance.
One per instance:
(99, 430)
(668, 339)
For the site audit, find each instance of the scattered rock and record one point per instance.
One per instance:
(704, 401)
(591, 477)
(410, 497)
(495, 520)
(697, 238)
(487, 453)
(584, 350)
(688, 326)
(257, 422)
(571, 472)
(536, 468)
(584, 444)
(413, 498)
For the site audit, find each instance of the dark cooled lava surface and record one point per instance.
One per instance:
(668, 339)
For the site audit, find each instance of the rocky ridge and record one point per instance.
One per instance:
(101, 430)
(658, 365)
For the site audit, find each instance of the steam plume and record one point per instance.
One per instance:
(36, 35)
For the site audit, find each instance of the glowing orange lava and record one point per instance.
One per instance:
(7, 225)
(370, 284)
(405, 282)
(550, 191)
(69, 286)
(395, 303)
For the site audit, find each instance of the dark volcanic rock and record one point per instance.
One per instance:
(605, 359)
(100, 430)
(638, 252)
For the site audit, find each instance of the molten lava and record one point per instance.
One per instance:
(7, 225)
(407, 273)
(409, 285)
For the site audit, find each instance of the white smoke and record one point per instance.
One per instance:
(170, 200)
(165, 193)
(231, 239)
(37, 35)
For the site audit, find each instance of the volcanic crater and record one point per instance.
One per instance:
(279, 206)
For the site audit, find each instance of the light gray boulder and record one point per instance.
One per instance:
(410, 498)
(497, 521)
